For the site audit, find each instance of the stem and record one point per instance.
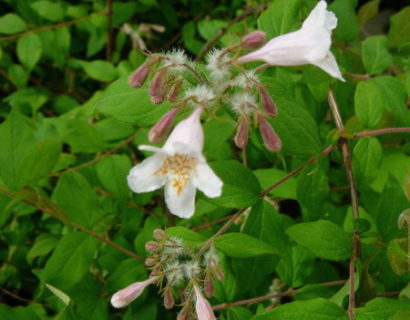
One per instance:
(212, 223)
(195, 73)
(357, 76)
(214, 39)
(76, 226)
(344, 144)
(315, 159)
(381, 131)
(289, 292)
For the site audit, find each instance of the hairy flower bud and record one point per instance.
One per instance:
(156, 87)
(184, 313)
(174, 91)
(139, 76)
(168, 298)
(161, 129)
(242, 133)
(270, 107)
(152, 246)
(159, 234)
(253, 40)
(270, 138)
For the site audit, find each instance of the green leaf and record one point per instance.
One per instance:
(17, 75)
(368, 104)
(209, 28)
(70, 260)
(11, 23)
(49, 10)
(112, 172)
(268, 177)
(312, 190)
(376, 58)
(296, 128)
(60, 294)
(399, 33)
(78, 200)
(347, 23)
(130, 105)
(382, 309)
(99, 70)
(280, 17)
(323, 238)
(190, 238)
(44, 243)
(29, 50)
(240, 188)
(367, 156)
(17, 313)
(126, 272)
(241, 245)
(368, 11)
(316, 309)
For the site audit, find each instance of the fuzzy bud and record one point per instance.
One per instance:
(138, 77)
(253, 40)
(174, 91)
(161, 129)
(159, 234)
(270, 138)
(156, 87)
(270, 107)
(150, 261)
(152, 246)
(242, 133)
(168, 298)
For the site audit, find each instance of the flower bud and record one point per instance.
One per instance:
(242, 134)
(150, 261)
(184, 313)
(168, 298)
(161, 129)
(253, 40)
(219, 274)
(202, 307)
(174, 91)
(209, 287)
(270, 138)
(270, 107)
(156, 87)
(123, 297)
(139, 76)
(153, 246)
(159, 234)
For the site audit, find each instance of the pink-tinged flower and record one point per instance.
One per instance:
(125, 296)
(180, 166)
(202, 307)
(308, 45)
(253, 40)
(160, 130)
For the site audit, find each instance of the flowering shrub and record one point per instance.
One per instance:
(204, 160)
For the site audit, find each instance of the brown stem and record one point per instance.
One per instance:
(344, 144)
(315, 159)
(248, 12)
(289, 292)
(76, 226)
(96, 159)
(41, 29)
(381, 131)
(195, 73)
(357, 76)
(110, 36)
(15, 296)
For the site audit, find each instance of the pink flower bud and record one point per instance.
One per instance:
(161, 129)
(150, 261)
(156, 87)
(174, 91)
(152, 246)
(209, 287)
(219, 274)
(157, 99)
(242, 134)
(253, 40)
(168, 298)
(159, 234)
(270, 138)
(123, 297)
(184, 313)
(139, 76)
(202, 307)
(270, 107)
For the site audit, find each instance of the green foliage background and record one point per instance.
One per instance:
(71, 231)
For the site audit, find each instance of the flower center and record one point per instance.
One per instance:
(179, 167)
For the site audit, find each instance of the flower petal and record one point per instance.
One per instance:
(181, 204)
(320, 17)
(207, 181)
(141, 177)
(329, 65)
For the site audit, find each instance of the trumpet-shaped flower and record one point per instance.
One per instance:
(202, 307)
(180, 166)
(308, 45)
(125, 296)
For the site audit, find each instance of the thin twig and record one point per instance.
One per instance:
(381, 131)
(76, 226)
(357, 76)
(15, 296)
(212, 223)
(248, 12)
(96, 159)
(314, 159)
(344, 144)
(289, 292)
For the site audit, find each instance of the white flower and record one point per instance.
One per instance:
(180, 166)
(202, 307)
(308, 45)
(123, 297)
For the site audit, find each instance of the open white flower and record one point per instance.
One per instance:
(308, 45)
(180, 166)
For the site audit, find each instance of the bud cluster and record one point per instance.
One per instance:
(178, 80)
